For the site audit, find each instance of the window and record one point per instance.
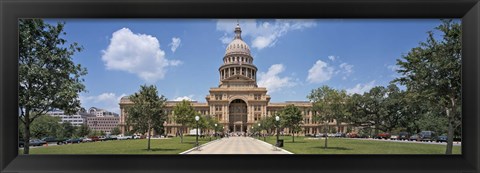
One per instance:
(218, 108)
(257, 108)
(218, 97)
(257, 96)
(257, 117)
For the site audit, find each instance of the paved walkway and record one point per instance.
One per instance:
(238, 145)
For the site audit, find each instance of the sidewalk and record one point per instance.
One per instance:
(238, 145)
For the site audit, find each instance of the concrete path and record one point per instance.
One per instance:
(238, 145)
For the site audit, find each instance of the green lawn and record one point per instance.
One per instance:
(138, 146)
(301, 146)
(304, 145)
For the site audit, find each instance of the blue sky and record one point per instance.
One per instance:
(182, 57)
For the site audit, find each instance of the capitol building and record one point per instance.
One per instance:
(238, 103)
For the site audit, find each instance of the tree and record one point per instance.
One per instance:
(147, 111)
(45, 126)
(394, 106)
(331, 104)
(83, 130)
(267, 124)
(48, 78)
(115, 131)
(67, 130)
(210, 121)
(292, 119)
(433, 69)
(184, 115)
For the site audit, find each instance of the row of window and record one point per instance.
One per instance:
(238, 59)
(72, 121)
(237, 71)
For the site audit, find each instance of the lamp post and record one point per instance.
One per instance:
(196, 120)
(215, 131)
(259, 130)
(277, 118)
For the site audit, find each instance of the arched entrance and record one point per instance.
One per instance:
(237, 111)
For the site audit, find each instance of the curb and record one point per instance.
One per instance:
(288, 152)
(191, 149)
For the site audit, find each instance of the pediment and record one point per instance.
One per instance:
(238, 78)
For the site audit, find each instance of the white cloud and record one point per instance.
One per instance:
(361, 88)
(108, 101)
(139, 54)
(189, 98)
(263, 34)
(320, 72)
(272, 81)
(332, 58)
(347, 70)
(175, 43)
(394, 68)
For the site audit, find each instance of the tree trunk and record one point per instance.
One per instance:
(149, 136)
(293, 137)
(181, 134)
(326, 137)
(451, 121)
(26, 136)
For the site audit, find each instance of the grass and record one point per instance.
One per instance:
(138, 146)
(304, 145)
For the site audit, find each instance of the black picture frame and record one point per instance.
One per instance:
(11, 11)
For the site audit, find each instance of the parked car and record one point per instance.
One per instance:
(53, 140)
(73, 141)
(393, 137)
(111, 137)
(21, 143)
(137, 137)
(352, 135)
(95, 138)
(403, 136)
(87, 140)
(37, 142)
(441, 139)
(319, 135)
(414, 137)
(339, 135)
(382, 136)
(309, 135)
(122, 137)
(427, 136)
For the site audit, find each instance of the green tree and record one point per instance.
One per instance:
(394, 106)
(94, 133)
(147, 111)
(268, 124)
(67, 130)
(115, 131)
(368, 110)
(331, 104)
(45, 126)
(292, 119)
(433, 69)
(184, 114)
(83, 130)
(48, 78)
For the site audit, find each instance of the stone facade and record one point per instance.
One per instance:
(237, 103)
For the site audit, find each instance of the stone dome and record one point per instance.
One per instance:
(238, 46)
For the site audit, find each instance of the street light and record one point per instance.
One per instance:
(196, 119)
(277, 118)
(215, 131)
(259, 130)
